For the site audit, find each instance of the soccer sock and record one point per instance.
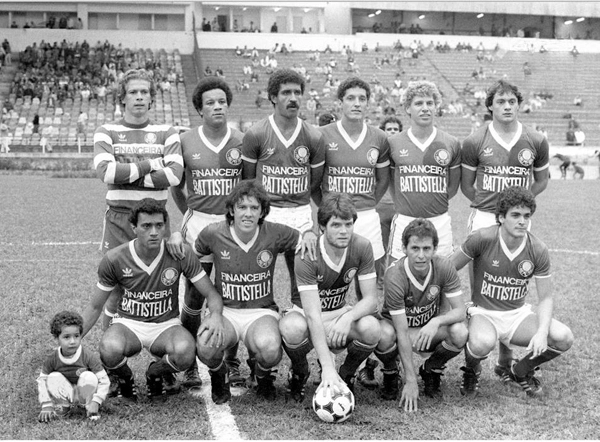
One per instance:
(297, 354)
(217, 367)
(389, 358)
(290, 257)
(505, 355)
(261, 371)
(357, 353)
(473, 361)
(190, 319)
(121, 370)
(162, 366)
(527, 363)
(442, 353)
(231, 353)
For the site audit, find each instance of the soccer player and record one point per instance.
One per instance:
(416, 287)
(502, 154)
(245, 248)
(286, 155)
(425, 167)
(320, 316)
(137, 159)
(212, 155)
(505, 257)
(356, 161)
(148, 311)
(71, 375)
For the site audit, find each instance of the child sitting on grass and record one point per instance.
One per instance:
(71, 375)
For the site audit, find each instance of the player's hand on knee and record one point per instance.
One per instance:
(175, 246)
(538, 344)
(47, 414)
(212, 331)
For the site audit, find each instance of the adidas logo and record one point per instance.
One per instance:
(333, 146)
(127, 273)
(122, 138)
(270, 151)
(225, 254)
(488, 152)
(106, 245)
(196, 156)
(319, 278)
(403, 153)
(495, 263)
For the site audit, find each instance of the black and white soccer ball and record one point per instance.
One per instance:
(333, 408)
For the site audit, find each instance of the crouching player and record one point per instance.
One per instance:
(71, 375)
(416, 286)
(505, 257)
(148, 311)
(320, 316)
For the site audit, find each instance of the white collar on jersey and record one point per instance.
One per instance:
(244, 246)
(500, 141)
(286, 143)
(427, 142)
(413, 278)
(510, 255)
(148, 269)
(333, 266)
(353, 144)
(69, 360)
(211, 146)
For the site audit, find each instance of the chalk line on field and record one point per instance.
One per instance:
(575, 252)
(52, 243)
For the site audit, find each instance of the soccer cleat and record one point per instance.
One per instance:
(170, 384)
(470, 382)
(431, 381)
(348, 379)
(155, 385)
(219, 383)
(265, 387)
(391, 380)
(113, 390)
(503, 371)
(251, 380)
(366, 375)
(235, 377)
(191, 378)
(529, 383)
(297, 384)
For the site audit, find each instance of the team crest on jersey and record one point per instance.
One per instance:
(526, 157)
(442, 156)
(127, 273)
(333, 146)
(301, 154)
(264, 259)
(488, 152)
(372, 156)
(433, 292)
(150, 138)
(526, 268)
(169, 276)
(349, 276)
(234, 156)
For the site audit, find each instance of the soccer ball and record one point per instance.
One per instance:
(336, 408)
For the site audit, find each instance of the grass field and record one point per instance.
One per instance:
(48, 261)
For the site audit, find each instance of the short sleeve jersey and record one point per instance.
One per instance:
(211, 172)
(419, 301)
(501, 276)
(333, 280)
(284, 166)
(71, 368)
(121, 151)
(421, 172)
(150, 292)
(350, 165)
(244, 271)
(499, 165)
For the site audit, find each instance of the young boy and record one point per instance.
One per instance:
(71, 375)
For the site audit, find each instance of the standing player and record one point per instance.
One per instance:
(505, 257)
(148, 311)
(137, 159)
(416, 286)
(320, 316)
(502, 154)
(245, 249)
(286, 155)
(212, 155)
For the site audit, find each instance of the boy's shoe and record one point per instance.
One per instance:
(391, 388)
(529, 383)
(191, 378)
(297, 384)
(366, 375)
(170, 384)
(155, 385)
(470, 382)
(503, 371)
(219, 384)
(235, 377)
(265, 386)
(431, 381)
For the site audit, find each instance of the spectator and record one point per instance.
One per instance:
(235, 27)
(36, 124)
(207, 71)
(274, 27)
(4, 139)
(259, 99)
(578, 101)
